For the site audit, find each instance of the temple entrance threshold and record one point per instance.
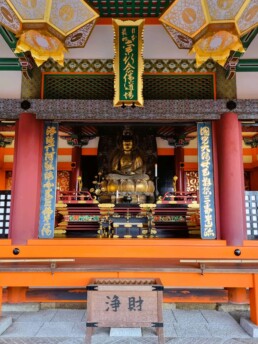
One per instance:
(133, 165)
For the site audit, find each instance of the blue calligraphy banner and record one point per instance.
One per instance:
(206, 181)
(48, 183)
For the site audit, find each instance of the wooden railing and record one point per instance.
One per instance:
(74, 197)
(180, 198)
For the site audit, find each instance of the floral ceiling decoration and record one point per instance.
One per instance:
(210, 28)
(47, 28)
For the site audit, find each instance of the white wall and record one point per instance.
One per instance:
(157, 45)
(10, 85)
(5, 51)
(161, 143)
(252, 52)
(10, 82)
(247, 82)
(247, 85)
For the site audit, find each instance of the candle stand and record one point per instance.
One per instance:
(156, 189)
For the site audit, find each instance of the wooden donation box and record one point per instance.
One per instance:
(125, 303)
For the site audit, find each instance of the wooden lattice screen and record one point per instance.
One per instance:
(251, 206)
(5, 205)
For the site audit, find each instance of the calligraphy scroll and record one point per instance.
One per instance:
(128, 62)
(48, 183)
(206, 181)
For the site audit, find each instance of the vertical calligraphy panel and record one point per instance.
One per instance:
(206, 181)
(128, 62)
(48, 183)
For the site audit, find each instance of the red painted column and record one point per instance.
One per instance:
(1, 299)
(26, 179)
(254, 300)
(2, 171)
(216, 178)
(231, 180)
(76, 170)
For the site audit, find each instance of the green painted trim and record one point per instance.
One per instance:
(156, 86)
(247, 65)
(11, 40)
(249, 37)
(246, 40)
(25, 64)
(150, 66)
(10, 64)
(9, 37)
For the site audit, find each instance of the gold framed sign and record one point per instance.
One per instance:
(128, 62)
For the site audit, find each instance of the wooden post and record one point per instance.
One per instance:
(231, 180)
(237, 295)
(26, 179)
(2, 171)
(254, 300)
(16, 294)
(1, 299)
(76, 170)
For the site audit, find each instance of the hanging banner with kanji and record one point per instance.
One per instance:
(48, 181)
(206, 181)
(128, 62)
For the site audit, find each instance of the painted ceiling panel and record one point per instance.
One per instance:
(130, 8)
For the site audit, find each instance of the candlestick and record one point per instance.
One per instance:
(156, 189)
(156, 170)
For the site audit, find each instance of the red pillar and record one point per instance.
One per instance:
(2, 171)
(1, 299)
(254, 300)
(179, 167)
(16, 294)
(26, 180)
(216, 178)
(76, 170)
(231, 180)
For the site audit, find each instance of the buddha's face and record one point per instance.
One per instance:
(127, 145)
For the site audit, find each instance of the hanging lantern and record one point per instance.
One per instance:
(210, 28)
(47, 28)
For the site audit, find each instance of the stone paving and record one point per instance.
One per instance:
(67, 326)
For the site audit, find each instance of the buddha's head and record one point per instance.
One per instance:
(127, 139)
(127, 145)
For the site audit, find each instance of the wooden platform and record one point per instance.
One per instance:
(178, 263)
(172, 220)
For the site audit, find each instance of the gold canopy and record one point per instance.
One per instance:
(216, 46)
(48, 24)
(210, 28)
(42, 46)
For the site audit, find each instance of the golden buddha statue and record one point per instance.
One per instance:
(128, 169)
(127, 162)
